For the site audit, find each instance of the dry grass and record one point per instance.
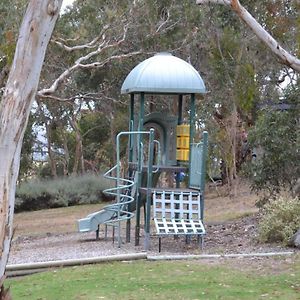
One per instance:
(62, 220)
(224, 208)
(56, 220)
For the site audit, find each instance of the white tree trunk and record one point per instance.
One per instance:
(21, 87)
(284, 56)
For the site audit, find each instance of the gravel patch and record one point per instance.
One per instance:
(238, 236)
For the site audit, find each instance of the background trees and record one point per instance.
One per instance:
(96, 43)
(18, 96)
(276, 137)
(78, 108)
(259, 30)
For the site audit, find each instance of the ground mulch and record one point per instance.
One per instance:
(236, 236)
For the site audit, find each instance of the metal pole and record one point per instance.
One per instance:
(130, 158)
(149, 192)
(192, 118)
(131, 127)
(179, 122)
(119, 187)
(180, 100)
(138, 204)
(192, 125)
(140, 128)
(118, 191)
(142, 110)
(203, 170)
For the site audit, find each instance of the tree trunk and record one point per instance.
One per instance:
(51, 154)
(78, 159)
(21, 87)
(284, 56)
(66, 152)
(113, 137)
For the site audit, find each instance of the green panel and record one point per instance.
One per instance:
(198, 153)
(196, 165)
(165, 125)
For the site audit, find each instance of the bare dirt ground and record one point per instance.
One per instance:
(231, 225)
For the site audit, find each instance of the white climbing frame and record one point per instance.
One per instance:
(177, 213)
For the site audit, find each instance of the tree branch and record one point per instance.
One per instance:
(224, 2)
(90, 45)
(80, 63)
(284, 56)
(107, 60)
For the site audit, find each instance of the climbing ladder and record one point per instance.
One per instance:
(177, 213)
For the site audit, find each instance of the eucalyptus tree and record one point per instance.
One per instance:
(11, 14)
(278, 145)
(20, 90)
(241, 72)
(10, 18)
(285, 57)
(95, 46)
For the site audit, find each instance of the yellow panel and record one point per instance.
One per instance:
(183, 142)
(182, 155)
(183, 130)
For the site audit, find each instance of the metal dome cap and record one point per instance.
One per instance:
(163, 73)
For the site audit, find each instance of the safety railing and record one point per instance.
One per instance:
(123, 186)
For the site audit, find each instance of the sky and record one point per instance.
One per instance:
(65, 3)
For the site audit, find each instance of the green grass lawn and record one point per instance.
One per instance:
(161, 280)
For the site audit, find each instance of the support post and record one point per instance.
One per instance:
(192, 125)
(138, 199)
(131, 127)
(159, 244)
(97, 233)
(203, 170)
(139, 144)
(149, 187)
(130, 158)
(192, 118)
(180, 101)
(179, 122)
(105, 232)
(118, 191)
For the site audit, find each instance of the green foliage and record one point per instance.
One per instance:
(236, 68)
(95, 132)
(37, 194)
(159, 280)
(276, 136)
(26, 164)
(246, 89)
(10, 18)
(280, 220)
(7, 49)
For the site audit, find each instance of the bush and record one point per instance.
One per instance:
(42, 194)
(277, 141)
(280, 220)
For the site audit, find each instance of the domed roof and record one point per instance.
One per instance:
(163, 73)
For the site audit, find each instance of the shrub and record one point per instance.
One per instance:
(42, 194)
(277, 141)
(280, 220)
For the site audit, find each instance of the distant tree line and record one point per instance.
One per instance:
(79, 109)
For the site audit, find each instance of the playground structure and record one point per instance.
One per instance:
(176, 152)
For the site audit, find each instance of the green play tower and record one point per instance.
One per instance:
(165, 74)
(177, 209)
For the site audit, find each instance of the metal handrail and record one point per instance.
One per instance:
(115, 191)
(123, 199)
(158, 156)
